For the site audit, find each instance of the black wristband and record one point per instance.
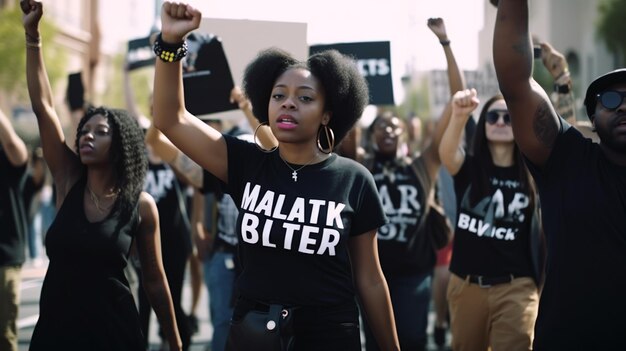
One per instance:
(561, 89)
(444, 42)
(169, 52)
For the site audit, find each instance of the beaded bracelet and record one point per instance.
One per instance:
(169, 52)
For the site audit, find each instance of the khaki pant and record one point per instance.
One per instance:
(9, 303)
(500, 318)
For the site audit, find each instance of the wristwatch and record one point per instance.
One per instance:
(561, 88)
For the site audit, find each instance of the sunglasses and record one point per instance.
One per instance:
(611, 99)
(493, 116)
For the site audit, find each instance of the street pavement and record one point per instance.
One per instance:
(32, 279)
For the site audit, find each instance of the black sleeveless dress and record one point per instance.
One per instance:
(86, 303)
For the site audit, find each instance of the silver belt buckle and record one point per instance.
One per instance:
(480, 282)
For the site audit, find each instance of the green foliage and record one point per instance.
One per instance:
(611, 26)
(13, 49)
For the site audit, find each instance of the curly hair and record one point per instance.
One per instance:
(345, 88)
(128, 154)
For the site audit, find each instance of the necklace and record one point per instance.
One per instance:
(294, 174)
(96, 200)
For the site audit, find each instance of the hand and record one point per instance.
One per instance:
(177, 20)
(554, 61)
(236, 96)
(438, 27)
(33, 10)
(464, 102)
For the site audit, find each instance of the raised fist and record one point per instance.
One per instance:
(177, 20)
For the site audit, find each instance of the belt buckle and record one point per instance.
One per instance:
(480, 282)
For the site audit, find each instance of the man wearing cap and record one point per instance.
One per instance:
(582, 186)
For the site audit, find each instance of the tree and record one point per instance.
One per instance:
(13, 49)
(610, 27)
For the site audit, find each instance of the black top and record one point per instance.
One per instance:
(583, 197)
(85, 302)
(402, 250)
(492, 236)
(220, 214)
(293, 235)
(163, 185)
(12, 212)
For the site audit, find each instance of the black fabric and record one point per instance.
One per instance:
(85, 290)
(492, 236)
(262, 328)
(293, 236)
(162, 184)
(583, 197)
(437, 226)
(404, 248)
(12, 212)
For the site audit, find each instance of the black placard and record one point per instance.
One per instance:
(374, 61)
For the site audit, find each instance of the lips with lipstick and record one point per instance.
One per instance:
(86, 147)
(286, 122)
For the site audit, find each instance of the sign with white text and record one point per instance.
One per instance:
(374, 62)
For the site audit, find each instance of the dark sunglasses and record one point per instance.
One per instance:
(493, 116)
(611, 99)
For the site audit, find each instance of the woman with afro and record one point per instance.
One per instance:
(307, 217)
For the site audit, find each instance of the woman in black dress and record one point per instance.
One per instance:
(86, 303)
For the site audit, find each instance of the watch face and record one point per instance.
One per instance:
(561, 89)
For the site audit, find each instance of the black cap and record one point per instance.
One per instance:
(601, 83)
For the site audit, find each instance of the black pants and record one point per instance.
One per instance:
(329, 328)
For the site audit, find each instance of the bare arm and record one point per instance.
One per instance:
(203, 144)
(63, 163)
(13, 145)
(535, 123)
(264, 134)
(153, 275)
(163, 147)
(201, 236)
(372, 289)
(451, 149)
(129, 94)
(456, 82)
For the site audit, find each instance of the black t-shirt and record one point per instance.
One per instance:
(12, 212)
(293, 236)
(162, 184)
(583, 197)
(492, 236)
(404, 203)
(220, 214)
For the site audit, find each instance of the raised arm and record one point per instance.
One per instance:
(264, 134)
(451, 149)
(534, 121)
(129, 94)
(168, 152)
(372, 289)
(63, 163)
(456, 82)
(200, 142)
(153, 273)
(562, 97)
(13, 145)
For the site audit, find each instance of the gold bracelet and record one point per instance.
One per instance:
(36, 45)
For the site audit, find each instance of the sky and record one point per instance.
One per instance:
(402, 22)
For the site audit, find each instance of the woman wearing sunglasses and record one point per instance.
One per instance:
(493, 288)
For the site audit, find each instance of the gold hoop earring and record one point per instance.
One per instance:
(256, 130)
(330, 139)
